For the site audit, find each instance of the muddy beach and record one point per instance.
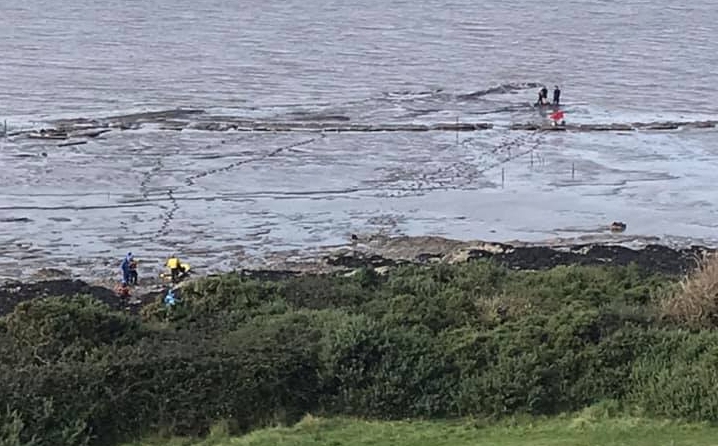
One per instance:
(264, 188)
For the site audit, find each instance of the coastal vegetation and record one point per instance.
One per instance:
(479, 349)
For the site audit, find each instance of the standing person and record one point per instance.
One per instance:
(125, 267)
(556, 95)
(133, 272)
(544, 93)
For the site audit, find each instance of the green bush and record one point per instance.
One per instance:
(370, 369)
(69, 328)
(178, 382)
(440, 341)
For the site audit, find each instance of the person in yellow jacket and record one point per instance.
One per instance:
(176, 268)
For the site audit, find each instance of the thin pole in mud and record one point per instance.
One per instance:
(573, 171)
(502, 177)
(4, 128)
(532, 158)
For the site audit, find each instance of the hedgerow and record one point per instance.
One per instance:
(440, 341)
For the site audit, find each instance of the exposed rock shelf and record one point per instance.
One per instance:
(81, 129)
(617, 127)
(656, 258)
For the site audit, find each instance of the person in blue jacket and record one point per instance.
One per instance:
(170, 298)
(126, 267)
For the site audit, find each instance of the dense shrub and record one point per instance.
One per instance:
(218, 303)
(50, 329)
(439, 341)
(267, 372)
(376, 370)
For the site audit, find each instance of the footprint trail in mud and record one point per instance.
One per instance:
(511, 147)
(147, 178)
(169, 216)
(170, 212)
(465, 173)
(190, 180)
(144, 189)
(455, 169)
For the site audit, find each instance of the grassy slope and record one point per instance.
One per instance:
(564, 431)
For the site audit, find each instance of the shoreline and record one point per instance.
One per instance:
(380, 250)
(380, 253)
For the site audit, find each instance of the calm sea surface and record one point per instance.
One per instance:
(83, 56)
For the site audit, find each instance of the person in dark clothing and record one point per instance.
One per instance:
(125, 267)
(556, 95)
(542, 96)
(133, 272)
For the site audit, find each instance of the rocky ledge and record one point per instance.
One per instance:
(655, 258)
(617, 127)
(77, 131)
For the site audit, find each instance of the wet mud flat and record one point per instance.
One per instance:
(243, 188)
(382, 254)
(241, 200)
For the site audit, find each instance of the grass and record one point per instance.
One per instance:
(576, 430)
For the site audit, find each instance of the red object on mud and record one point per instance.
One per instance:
(557, 116)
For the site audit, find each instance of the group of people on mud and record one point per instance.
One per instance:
(543, 96)
(128, 267)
